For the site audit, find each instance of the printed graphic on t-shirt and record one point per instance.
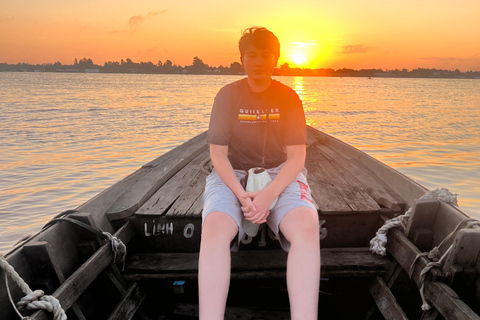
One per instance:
(304, 194)
(258, 115)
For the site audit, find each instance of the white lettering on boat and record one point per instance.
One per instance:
(188, 230)
(159, 228)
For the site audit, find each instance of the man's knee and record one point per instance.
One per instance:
(301, 225)
(219, 226)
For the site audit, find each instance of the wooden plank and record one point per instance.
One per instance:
(322, 168)
(385, 301)
(406, 188)
(126, 308)
(194, 189)
(76, 284)
(250, 275)
(163, 199)
(339, 261)
(196, 209)
(99, 204)
(352, 191)
(366, 179)
(161, 171)
(191, 311)
(444, 299)
(325, 194)
(431, 314)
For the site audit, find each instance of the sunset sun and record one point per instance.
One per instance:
(299, 58)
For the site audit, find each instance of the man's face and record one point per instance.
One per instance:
(259, 63)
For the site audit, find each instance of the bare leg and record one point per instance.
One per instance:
(300, 227)
(218, 231)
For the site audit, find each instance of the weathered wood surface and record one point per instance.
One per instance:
(407, 189)
(355, 262)
(126, 308)
(161, 170)
(174, 188)
(364, 179)
(76, 284)
(339, 185)
(363, 185)
(184, 206)
(444, 299)
(385, 301)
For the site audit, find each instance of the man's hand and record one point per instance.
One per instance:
(261, 201)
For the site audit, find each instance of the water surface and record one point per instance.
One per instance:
(66, 137)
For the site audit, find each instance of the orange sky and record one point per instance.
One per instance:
(325, 34)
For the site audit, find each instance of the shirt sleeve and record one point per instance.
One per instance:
(219, 130)
(295, 129)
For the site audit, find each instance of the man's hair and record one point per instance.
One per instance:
(261, 38)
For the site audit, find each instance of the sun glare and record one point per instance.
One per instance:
(299, 58)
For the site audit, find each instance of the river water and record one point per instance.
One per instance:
(66, 137)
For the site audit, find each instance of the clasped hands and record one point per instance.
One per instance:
(255, 205)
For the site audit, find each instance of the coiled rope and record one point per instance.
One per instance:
(33, 299)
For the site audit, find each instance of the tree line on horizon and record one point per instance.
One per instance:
(235, 68)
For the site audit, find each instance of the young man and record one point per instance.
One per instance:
(258, 122)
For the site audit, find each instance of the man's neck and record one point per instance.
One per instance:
(259, 85)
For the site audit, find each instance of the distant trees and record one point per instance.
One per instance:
(85, 64)
(198, 66)
(236, 68)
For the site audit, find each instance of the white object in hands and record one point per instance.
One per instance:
(258, 178)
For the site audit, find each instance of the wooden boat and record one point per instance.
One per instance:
(156, 212)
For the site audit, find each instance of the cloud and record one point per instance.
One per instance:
(136, 21)
(445, 59)
(358, 48)
(311, 43)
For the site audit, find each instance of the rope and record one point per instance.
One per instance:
(438, 262)
(33, 299)
(118, 248)
(379, 242)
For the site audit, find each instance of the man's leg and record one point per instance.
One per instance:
(300, 227)
(218, 231)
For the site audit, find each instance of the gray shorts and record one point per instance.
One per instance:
(219, 197)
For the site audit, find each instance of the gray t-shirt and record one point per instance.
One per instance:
(254, 124)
